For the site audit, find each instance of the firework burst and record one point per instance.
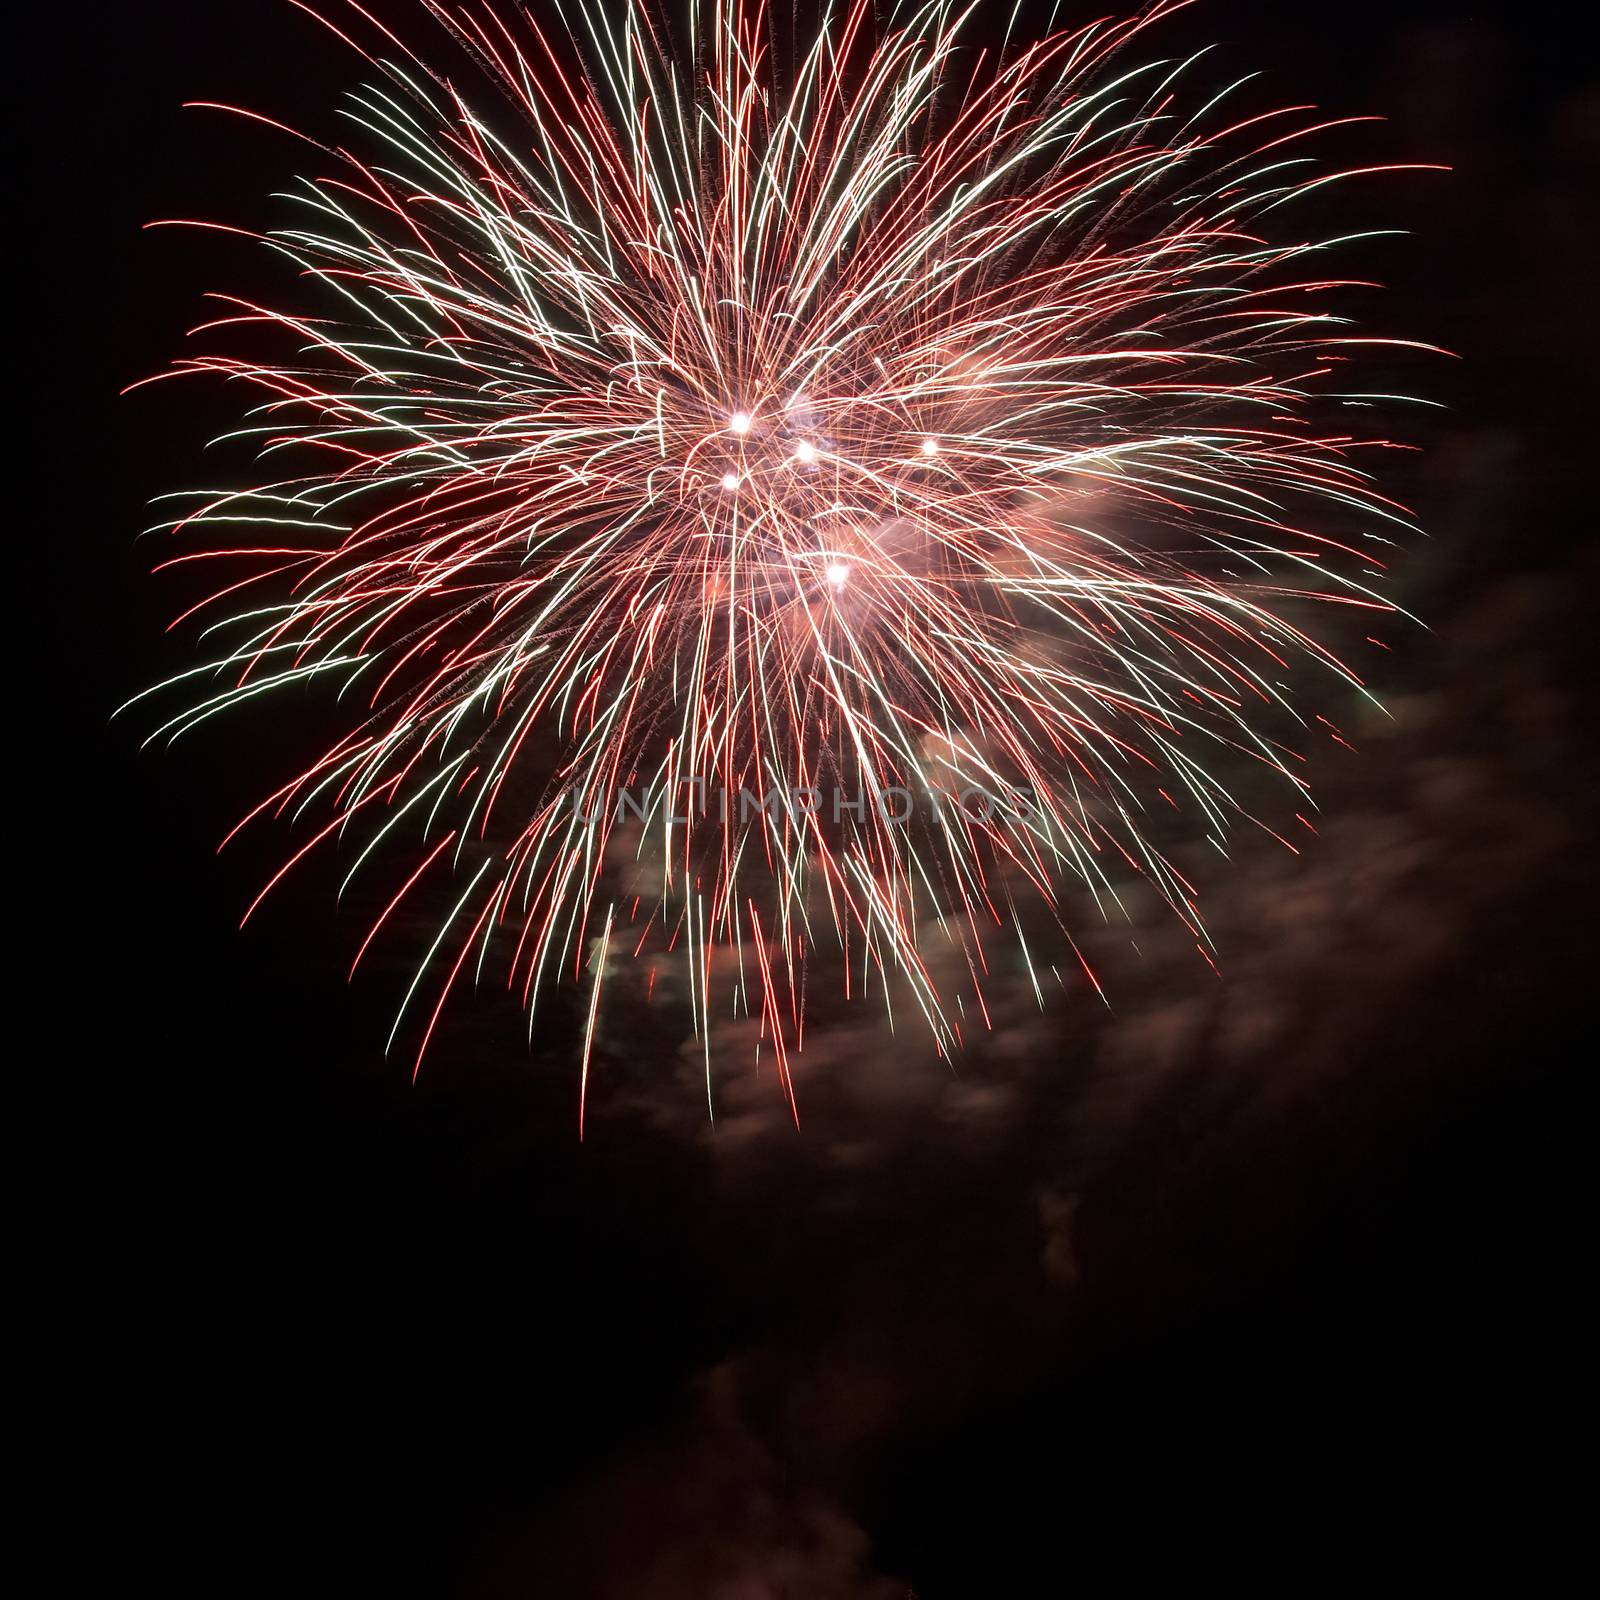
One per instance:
(775, 498)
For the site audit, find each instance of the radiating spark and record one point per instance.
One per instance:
(1032, 320)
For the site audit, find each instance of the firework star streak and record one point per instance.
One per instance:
(727, 408)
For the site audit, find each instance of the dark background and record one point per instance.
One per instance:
(1273, 1274)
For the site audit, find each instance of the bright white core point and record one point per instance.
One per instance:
(805, 451)
(930, 447)
(837, 573)
(730, 481)
(739, 422)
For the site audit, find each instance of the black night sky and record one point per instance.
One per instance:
(1268, 1276)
